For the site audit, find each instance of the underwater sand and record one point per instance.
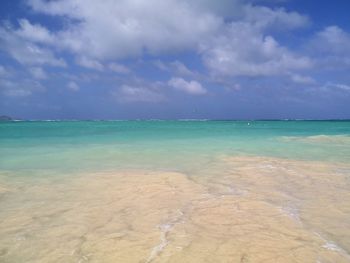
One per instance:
(262, 210)
(220, 206)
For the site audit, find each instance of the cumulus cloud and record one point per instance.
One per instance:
(339, 86)
(128, 28)
(73, 86)
(175, 67)
(233, 38)
(19, 88)
(331, 48)
(302, 79)
(230, 35)
(139, 91)
(118, 68)
(3, 71)
(278, 19)
(89, 63)
(244, 51)
(137, 94)
(34, 32)
(332, 40)
(191, 87)
(16, 84)
(26, 52)
(37, 73)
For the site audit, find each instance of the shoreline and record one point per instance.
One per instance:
(162, 216)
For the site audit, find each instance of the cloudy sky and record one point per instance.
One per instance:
(170, 59)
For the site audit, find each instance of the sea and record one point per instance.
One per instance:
(175, 191)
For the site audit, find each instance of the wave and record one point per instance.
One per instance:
(333, 139)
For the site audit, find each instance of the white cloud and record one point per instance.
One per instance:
(89, 63)
(73, 86)
(25, 52)
(3, 71)
(342, 86)
(181, 68)
(233, 37)
(266, 18)
(34, 32)
(37, 73)
(175, 67)
(161, 65)
(118, 29)
(230, 34)
(302, 79)
(333, 40)
(191, 87)
(119, 68)
(135, 93)
(330, 48)
(19, 88)
(245, 51)
(339, 86)
(15, 84)
(233, 87)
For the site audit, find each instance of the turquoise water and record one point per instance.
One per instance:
(79, 145)
(180, 145)
(175, 191)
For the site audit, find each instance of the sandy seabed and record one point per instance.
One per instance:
(258, 209)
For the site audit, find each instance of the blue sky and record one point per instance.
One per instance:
(170, 59)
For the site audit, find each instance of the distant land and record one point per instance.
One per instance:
(5, 118)
(8, 118)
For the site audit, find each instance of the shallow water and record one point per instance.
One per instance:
(175, 191)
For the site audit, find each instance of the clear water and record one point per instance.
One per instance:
(174, 191)
(161, 144)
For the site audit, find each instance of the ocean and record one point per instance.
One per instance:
(175, 191)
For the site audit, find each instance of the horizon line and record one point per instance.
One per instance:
(185, 119)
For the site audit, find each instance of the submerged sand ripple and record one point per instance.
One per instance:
(259, 210)
(324, 139)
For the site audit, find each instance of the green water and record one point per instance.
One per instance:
(186, 146)
(189, 191)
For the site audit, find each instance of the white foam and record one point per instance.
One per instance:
(237, 191)
(332, 246)
(291, 212)
(164, 230)
(267, 166)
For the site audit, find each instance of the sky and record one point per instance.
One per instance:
(175, 59)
